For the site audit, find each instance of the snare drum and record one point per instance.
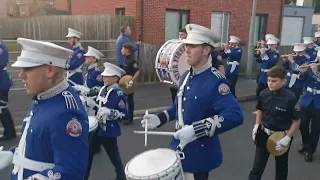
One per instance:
(93, 123)
(161, 164)
(170, 62)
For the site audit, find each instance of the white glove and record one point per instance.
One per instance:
(103, 112)
(6, 158)
(83, 90)
(185, 135)
(152, 121)
(283, 143)
(129, 84)
(254, 131)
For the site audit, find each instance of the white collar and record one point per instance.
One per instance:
(92, 66)
(202, 68)
(112, 86)
(76, 45)
(53, 91)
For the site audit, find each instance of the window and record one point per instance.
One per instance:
(316, 5)
(120, 11)
(22, 11)
(260, 27)
(299, 2)
(220, 25)
(175, 20)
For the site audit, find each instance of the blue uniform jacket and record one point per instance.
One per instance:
(75, 63)
(234, 54)
(313, 82)
(293, 69)
(57, 134)
(267, 61)
(312, 53)
(116, 101)
(202, 100)
(93, 77)
(122, 39)
(5, 81)
(317, 43)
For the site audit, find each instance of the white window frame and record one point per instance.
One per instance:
(224, 32)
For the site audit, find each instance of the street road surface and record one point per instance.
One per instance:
(238, 153)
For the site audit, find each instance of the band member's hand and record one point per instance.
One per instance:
(225, 46)
(262, 42)
(103, 112)
(6, 158)
(262, 51)
(254, 131)
(82, 89)
(130, 83)
(304, 67)
(139, 42)
(314, 67)
(290, 58)
(284, 58)
(152, 121)
(283, 143)
(185, 135)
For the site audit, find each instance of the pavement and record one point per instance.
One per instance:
(155, 97)
(237, 146)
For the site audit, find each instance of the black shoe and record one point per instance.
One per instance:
(308, 157)
(302, 148)
(127, 122)
(7, 138)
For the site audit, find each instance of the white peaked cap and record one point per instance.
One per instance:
(267, 36)
(317, 34)
(112, 70)
(234, 39)
(272, 40)
(200, 35)
(36, 53)
(298, 47)
(318, 49)
(308, 40)
(94, 53)
(74, 33)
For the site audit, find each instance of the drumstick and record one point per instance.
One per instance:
(146, 131)
(155, 133)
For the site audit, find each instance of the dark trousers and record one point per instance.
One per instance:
(310, 138)
(262, 156)
(297, 92)
(260, 88)
(111, 147)
(130, 100)
(5, 115)
(173, 91)
(201, 175)
(232, 83)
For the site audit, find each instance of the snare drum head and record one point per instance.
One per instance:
(170, 62)
(151, 162)
(93, 123)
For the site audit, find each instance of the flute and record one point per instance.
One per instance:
(287, 55)
(307, 65)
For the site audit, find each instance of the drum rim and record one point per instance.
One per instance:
(172, 169)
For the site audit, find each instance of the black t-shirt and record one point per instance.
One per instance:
(130, 65)
(216, 59)
(278, 108)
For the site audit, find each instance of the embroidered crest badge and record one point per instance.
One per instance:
(79, 55)
(74, 128)
(122, 104)
(120, 93)
(224, 89)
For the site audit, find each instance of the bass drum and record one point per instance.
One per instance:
(170, 62)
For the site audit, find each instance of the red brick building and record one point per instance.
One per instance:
(163, 18)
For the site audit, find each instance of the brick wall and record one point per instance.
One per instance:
(200, 13)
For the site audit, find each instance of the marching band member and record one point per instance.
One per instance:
(113, 102)
(317, 36)
(54, 141)
(130, 66)
(94, 80)
(310, 107)
(292, 64)
(276, 112)
(267, 59)
(234, 55)
(5, 85)
(76, 60)
(217, 61)
(309, 42)
(206, 109)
